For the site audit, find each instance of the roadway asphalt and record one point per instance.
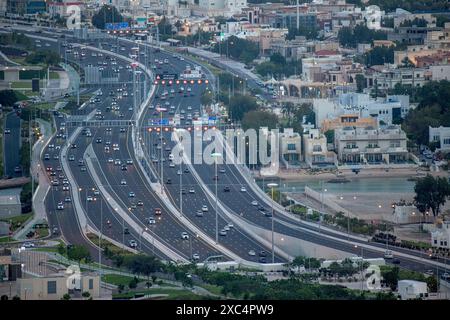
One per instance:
(11, 147)
(301, 230)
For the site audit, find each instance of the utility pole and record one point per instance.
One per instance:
(298, 16)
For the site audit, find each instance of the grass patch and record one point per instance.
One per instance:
(117, 279)
(21, 85)
(42, 233)
(2, 120)
(171, 294)
(6, 239)
(212, 288)
(106, 244)
(49, 249)
(54, 75)
(17, 221)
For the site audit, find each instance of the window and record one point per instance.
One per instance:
(317, 148)
(291, 146)
(51, 287)
(446, 141)
(91, 284)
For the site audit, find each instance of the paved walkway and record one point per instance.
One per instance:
(38, 171)
(7, 61)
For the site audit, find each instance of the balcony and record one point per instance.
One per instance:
(373, 149)
(397, 150)
(350, 150)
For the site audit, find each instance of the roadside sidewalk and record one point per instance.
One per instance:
(38, 171)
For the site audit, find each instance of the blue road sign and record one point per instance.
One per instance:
(117, 26)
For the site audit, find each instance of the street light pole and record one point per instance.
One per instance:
(181, 184)
(272, 185)
(216, 155)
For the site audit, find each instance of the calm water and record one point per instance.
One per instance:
(389, 185)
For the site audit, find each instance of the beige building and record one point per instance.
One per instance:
(361, 146)
(290, 146)
(56, 286)
(346, 120)
(315, 149)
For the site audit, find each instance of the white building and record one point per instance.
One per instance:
(440, 237)
(384, 110)
(411, 289)
(290, 147)
(315, 149)
(441, 135)
(212, 8)
(371, 146)
(314, 67)
(440, 72)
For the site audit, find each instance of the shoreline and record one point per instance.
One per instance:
(307, 175)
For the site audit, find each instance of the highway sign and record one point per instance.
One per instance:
(154, 122)
(167, 76)
(117, 26)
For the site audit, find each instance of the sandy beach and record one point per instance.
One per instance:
(299, 174)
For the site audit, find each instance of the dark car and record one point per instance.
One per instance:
(262, 260)
(396, 261)
(262, 253)
(168, 181)
(124, 167)
(226, 189)
(126, 231)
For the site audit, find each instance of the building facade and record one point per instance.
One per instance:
(361, 146)
(315, 150)
(440, 135)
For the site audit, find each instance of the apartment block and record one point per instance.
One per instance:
(440, 135)
(315, 150)
(361, 146)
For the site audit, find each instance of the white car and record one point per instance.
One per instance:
(191, 190)
(230, 225)
(117, 162)
(179, 172)
(67, 199)
(60, 206)
(151, 220)
(184, 236)
(195, 256)
(204, 208)
(132, 243)
(172, 165)
(243, 189)
(28, 245)
(252, 253)
(110, 160)
(131, 194)
(388, 254)
(123, 182)
(90, 198)
(254, 202)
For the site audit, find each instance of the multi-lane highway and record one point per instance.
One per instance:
(140, 200)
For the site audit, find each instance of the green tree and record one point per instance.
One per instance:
(238, 49)
(66, 297)
(165, 27)
(329, 134)
(391, 278)
(239, 105)
(8, 98)
(417, 22)
(256, 119)
(86, 294)
(46, 57)
(350, 37)
(207, 98)
(78, 253)
(106, 14)
(379, 56)
(361, 83)
(133, 283)
(431, 193)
